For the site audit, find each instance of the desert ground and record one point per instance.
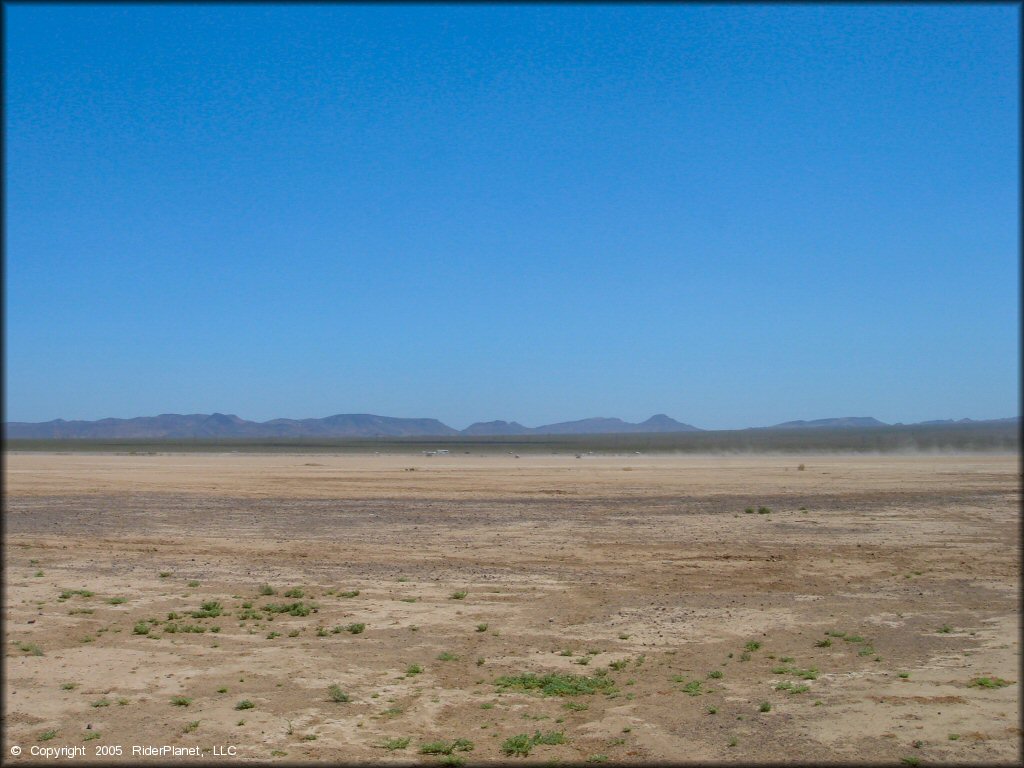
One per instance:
(406, 608)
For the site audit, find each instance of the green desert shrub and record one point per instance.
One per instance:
(557, 684)
(336, 694)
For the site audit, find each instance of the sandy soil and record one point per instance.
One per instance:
(863, 608)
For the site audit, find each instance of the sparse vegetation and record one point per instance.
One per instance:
(356, 629)
(550, 738)
(446, 747)
(459, 595)
(336, 694)
(989, 682)
(244, 704)
(185, 628)
(292, 609)
(47, 735)
(351, 593)
(69, 593)
(792, 687)
(413, 669)
(393, 744)
(803, 674)
(522, 743)
(208, 610)
(765, 707)
(266, 589)
(179, 701)
(693, 688)
(481, 627)
(446, 656)
(557, 684)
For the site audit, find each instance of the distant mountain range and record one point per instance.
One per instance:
(856, 422)
(199, 425)
(219, 425)
(845, 421)
(594, 426)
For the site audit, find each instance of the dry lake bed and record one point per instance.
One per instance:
(406, 608)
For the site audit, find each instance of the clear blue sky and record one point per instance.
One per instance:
(736, 215)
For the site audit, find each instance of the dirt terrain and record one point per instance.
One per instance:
(601, 609)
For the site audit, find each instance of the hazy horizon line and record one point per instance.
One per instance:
(687, 422)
